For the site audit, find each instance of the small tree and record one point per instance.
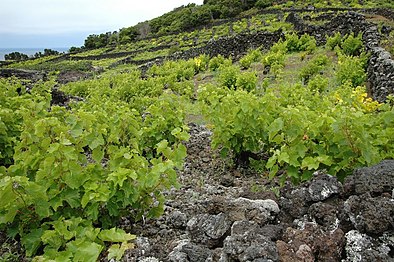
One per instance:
(16, 56)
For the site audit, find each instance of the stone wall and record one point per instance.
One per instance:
(32, 75)
(233, 46)
(230, 46)
(380, 66)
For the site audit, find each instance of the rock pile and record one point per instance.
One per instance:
(31, 75)
(321, 220)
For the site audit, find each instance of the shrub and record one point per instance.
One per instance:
(217, 61)
(351, 69)
(334, 41)
(303, 43)
(272, 58)
(352, 45)
(292, 42)
(263, 3)
(228, 76)
(247, 81)
(252, 57)
(318, 84)
(313, 67)
(201, 63)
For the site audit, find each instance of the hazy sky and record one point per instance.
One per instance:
(66, 23)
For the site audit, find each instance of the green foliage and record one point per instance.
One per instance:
(16, 56)
(47, 52)
(251, 57)
(334, 41)
(264, 3)
(46, 65)
(67, 176)
(323, 125)
(201, 63)
(275, 58)
(240, 111)
(218, 61)
(12, 97)
(303, 131)
(228, 76)
(294, 43)
(181, 19)
(316, 65)
(211, 94)
(272, 58)
(247, 81)
(318, 84)
(350, 45)
(351, 69)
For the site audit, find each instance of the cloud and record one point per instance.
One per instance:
(66, 16)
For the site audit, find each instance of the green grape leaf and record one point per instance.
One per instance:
(310, 163)
(75, 177)
(120, 175)
(52, 238)
(95, 140)
(32, 241)
(275, 127)
(86, 251)
(115, 235)
(117, 251)
(53, 148)
(76, 131)
(65, 142)
(97, 154)
(284, 157)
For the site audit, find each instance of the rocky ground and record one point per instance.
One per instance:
(228, 215)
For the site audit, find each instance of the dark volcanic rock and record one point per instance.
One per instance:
(361, 247)
(380, 74)
(371, 215)
(209, 230)
(311, 243)
(246, 243)
(259, 211)
(186, 251)
(65, 77)
(295, 201)
(196, 253)
(376, 179)
(61, 99)
(324, 214)
(178, 219)
(323, 186)
(32, 75)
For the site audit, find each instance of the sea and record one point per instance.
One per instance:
(29, 51)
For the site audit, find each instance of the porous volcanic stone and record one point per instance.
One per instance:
(361, 247)
(246, 243)
(323, 186)
(311, 243)
(370, 215)
(209, 230)
(375, 180)
(324, 214)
